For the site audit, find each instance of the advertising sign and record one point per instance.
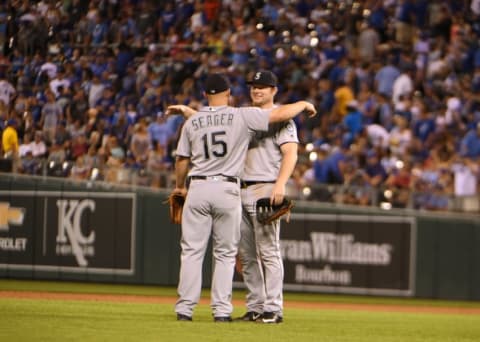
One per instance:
(352, 254)
(68, 231)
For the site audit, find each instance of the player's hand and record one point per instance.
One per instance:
(181, 110)
(175, 109)
(278, 193)
(310, 109)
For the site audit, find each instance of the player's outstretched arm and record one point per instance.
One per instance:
(180, 110)
(289, 111)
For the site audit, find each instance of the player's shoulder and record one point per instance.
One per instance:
(287, 126)
(250, 109)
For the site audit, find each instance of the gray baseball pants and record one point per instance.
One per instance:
(212, 208)
(260, 256)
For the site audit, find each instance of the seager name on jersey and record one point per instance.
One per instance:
(211, 120)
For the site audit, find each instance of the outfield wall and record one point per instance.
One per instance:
(60, 230)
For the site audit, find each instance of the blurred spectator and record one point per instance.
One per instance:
(356, 186)
(51, 114)
(399, 183)
(30, 165)
(26, 146)
(7, 91)
(59, 82)
(80, 170)
(466, 173)
(343, 95)
(378, 136)
(352, 122)
(56, 153)
(368, 41)
(405, 20)
(374, 171)
(38, 146)
(470, 144)
(157, 165)
(140, 143)
(78, 106)
(384, 115)
(95, 90)
(10, 144)
(386, 76)
(403, 85)
(79, 146)
(424, 126)
(320, 165)
(93, 159)
(115, 152)
(160, 131)
(62, 136)
(400, 136)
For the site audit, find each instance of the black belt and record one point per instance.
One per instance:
(215, 177)
(248, 183)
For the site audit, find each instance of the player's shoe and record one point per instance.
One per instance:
(222, 319)
(250, 316)
(185, 318)
(270, 317)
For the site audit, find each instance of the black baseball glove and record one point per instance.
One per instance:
(267, 213)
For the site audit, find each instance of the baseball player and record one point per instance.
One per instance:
(271, 159)
(215, 141)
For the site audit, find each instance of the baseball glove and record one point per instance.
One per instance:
(176, 202)
(267, 213)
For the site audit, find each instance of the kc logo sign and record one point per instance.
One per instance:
(70, 238)
(10, 215)
(68, 231)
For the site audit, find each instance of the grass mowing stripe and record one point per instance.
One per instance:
(46, 320)
(143, 290)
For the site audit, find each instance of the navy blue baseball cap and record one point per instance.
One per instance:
(264, 77)
(216, 83)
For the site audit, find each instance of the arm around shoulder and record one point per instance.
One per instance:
(180, 109)
(289, 111)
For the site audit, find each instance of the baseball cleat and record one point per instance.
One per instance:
(250, 316)
(184, 318)
(270, 317)
(222, 319)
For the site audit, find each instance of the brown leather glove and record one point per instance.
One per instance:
(176, 202)
(267, 213)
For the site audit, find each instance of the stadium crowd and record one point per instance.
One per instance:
(84, 86)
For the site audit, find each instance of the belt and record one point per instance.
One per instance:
(246, 184)
(216, 178)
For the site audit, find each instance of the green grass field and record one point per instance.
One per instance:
(76, 320)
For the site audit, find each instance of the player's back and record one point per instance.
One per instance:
(216, 138)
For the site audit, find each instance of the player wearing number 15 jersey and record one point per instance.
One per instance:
(214, 142)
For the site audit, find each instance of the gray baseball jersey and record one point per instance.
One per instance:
(216, 138)
(259, 245)
(216, 141)
(264, 155)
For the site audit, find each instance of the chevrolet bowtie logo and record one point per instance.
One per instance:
(10, 215)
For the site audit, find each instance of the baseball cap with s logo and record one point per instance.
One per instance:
(264, 77)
